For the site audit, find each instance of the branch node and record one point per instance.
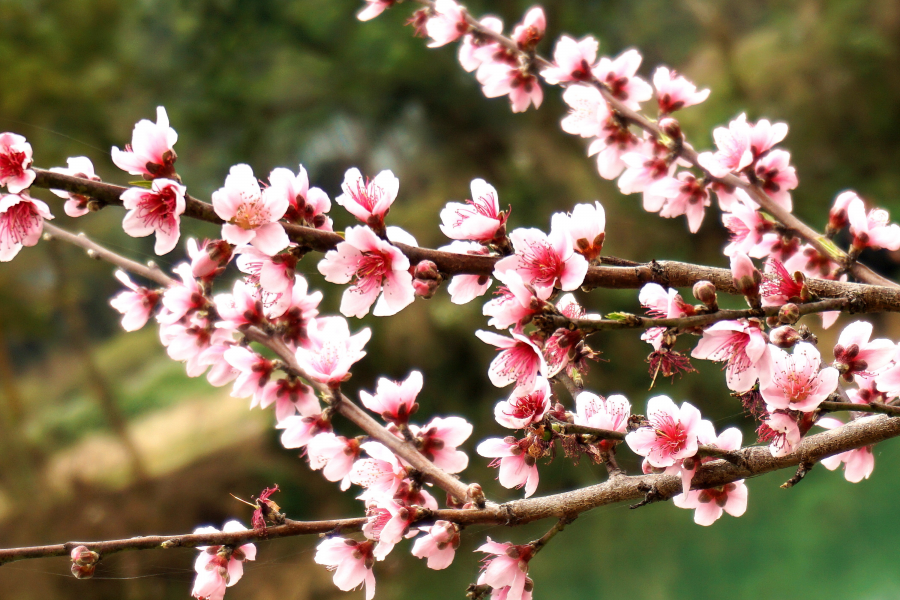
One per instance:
(802, 469)
(651, 495)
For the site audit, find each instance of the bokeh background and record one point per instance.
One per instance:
(104, 437)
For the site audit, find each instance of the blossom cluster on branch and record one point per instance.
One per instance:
(263, 334)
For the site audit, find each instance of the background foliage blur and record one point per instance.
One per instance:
(102, 436)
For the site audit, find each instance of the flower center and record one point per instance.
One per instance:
(157, 209)
(542, 263)
(252, 214)
(17, 223)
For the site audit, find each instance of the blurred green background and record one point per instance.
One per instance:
(102, 436)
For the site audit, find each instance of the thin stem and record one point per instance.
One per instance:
(874, 407)
(560, 525)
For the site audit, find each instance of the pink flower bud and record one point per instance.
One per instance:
(789, 314)
(84, 562)
(705, 292)
(746, 277)
(784, 336)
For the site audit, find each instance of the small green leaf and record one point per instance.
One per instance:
(619, 316)
(141, 183)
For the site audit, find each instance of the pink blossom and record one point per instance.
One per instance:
(157, 210)
(572, 60)
(136, 305)
(660, 303)
(517, 467)
(854, 353)
(519, 361)
(641, 173)
(709, 504)
(742, 346)
(764, 135)
(674, 92)
(394, 401)
(545, 261)
(368, 201)
(477, 50)
(334, 455)
(219, 567)
(373, 9)
(585, 226)
(779, 286)
(351, 562)
(609, 413)
(250, 216)
(837, 216)
(614, 142)
(439, 439)
(747, 226)
(797, 383)
(208, 258)
(220, 372)
(619, 76)
(150, 153)
(588, 111)
(746, 276)
(381, 474)
(82, 167)
(15, 163)
(465, 288)
(289, 397)
(508, 567)
(523, 408)
(500, 79)
(21, 223)
(330, 350)
(273, 274)
(306, 206)
(187, 341)
(479, 219)
(684, 195)
(777, 177)
(438, 545)
(858, 463)
(378, 267)
(255, 371)
(872, 230)
(447, 24)
(241, 308)
(734, 151)
(531, 30)
(808, 261)
(671, 435)
(783, 432)
(515, 301)
(299, 430)
(298, 313)
(729, 440)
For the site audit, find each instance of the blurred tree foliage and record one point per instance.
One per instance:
(281, 82)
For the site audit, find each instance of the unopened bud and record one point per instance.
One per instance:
(784, 336)
(425, 288)
(84, 562)
(475, 494)
(671, 128)
(426, 269)
(789, 314)
(705, 292)
(746, 278)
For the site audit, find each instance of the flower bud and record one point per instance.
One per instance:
(746, 278)
(705, 292)
(476, 494)
(425, 288)
(784, 336)
(426, 269)
(671, 128)
(789, 314)
(84, 562)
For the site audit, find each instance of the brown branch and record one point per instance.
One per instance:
(874, 407)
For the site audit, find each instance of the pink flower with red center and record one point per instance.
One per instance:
(220, 567)
(641, 173)
(289, 397)
(523, 408)
(395, 401)
(614, 142)
(273, 274)
(780, 286)
(507, 568)
(663, 304)
(465, 288)
(255, 371)
(588, 111)
(777, 177)
(21, 223)
(519, 361)
(797, 383)
(585, 226)
(369, 201)
(674, 92)
(728, 440)
(709, 504)
(531, 30)
(306, 206)
(684, 195)
(299, 430)
(302, 308)
(734, 151)
(374, 8)
(517, 467)
(447, 23)
(671, 435)
(514, 302)
(157, 210)
(609, 413)
(209, 257)
(150, 153)
(545, 261)
(522, 87)
(438, 545)
(747, 227)
(479, 219)
(808, 261)
(572, 60)
(351, 562)
(854, 353)
(378, 267)
(381, 474)
(858, 463)
(746, 277)
(743, 347)
(477, 50)
(619, 76)
(15, 163)
(872, 230)
(781, 431)
(136, 305)
(330, 350)
(241, 308)
(250, 216)
(439, 439)
(764, 135)
(82, 167)
(391, 522)
(837, 216)
(189, 340)
(220, 372)
(334, 455)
